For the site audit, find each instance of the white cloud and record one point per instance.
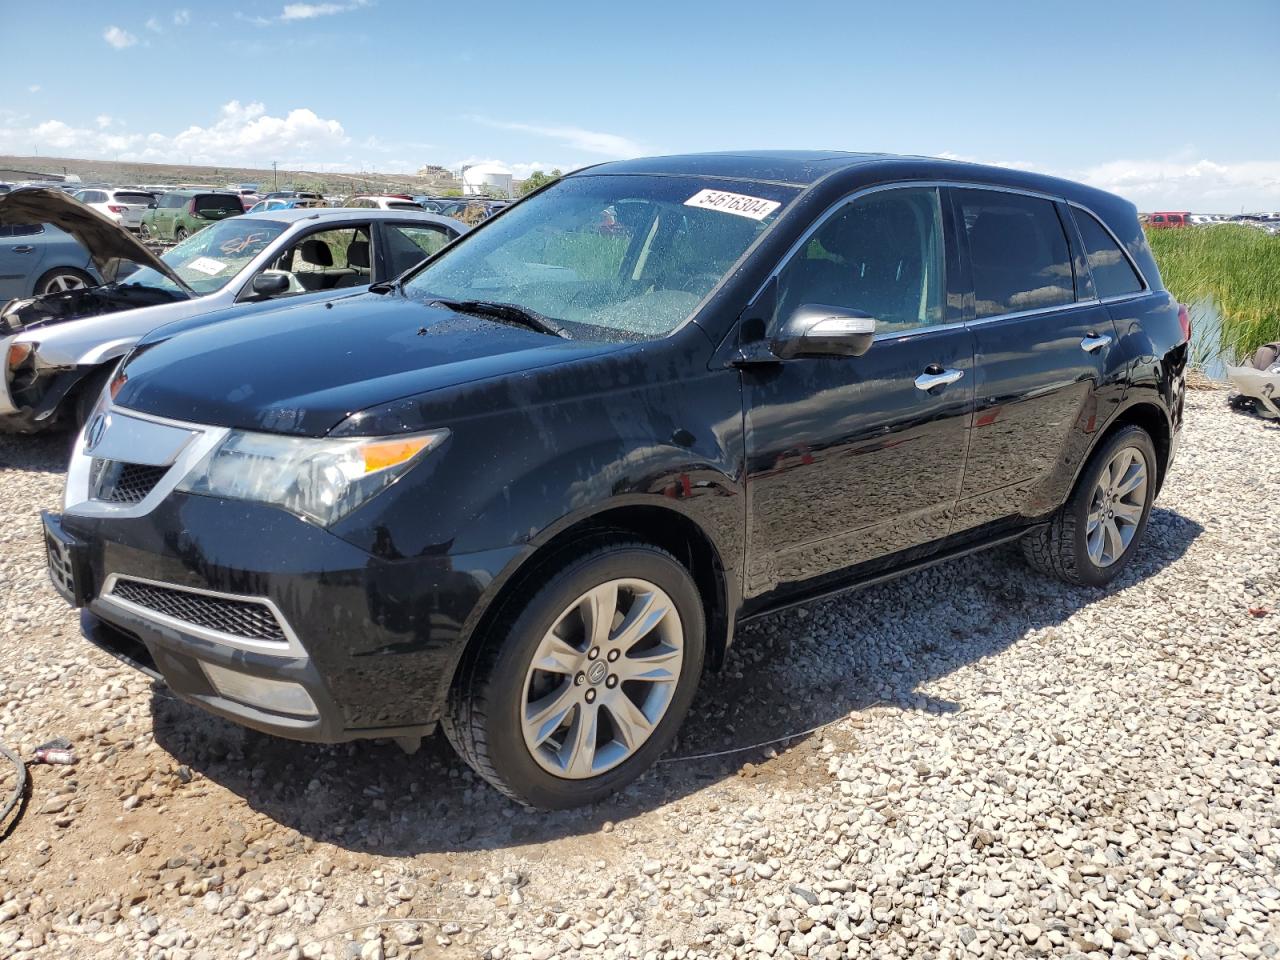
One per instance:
(576, 138)
(104, 120)
(308, 11)
(34, 88)
(1182, 182)
(241, 133)
(119, 38)
(181, 17)
(153, 25)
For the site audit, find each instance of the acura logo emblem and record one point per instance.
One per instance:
(93, 433)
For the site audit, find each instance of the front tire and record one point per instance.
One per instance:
(62, 280)
(1096, 532)
(584, 681)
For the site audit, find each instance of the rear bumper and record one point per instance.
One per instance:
(372, 643)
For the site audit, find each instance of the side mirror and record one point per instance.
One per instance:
(270, 284)
(818, 330)
(151, 206)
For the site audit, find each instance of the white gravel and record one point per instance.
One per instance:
(1011, 768)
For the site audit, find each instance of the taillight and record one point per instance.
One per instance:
(115, 208)
(1184, 321)
(191, 207)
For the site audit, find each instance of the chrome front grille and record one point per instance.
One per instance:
(247, 619)
(116, 481)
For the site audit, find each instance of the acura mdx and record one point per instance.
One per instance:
(527, 491)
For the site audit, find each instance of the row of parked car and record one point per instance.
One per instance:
(1167, 219)
(81, 288)
(522, 485)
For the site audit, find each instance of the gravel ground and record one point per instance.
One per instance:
(1009, 768)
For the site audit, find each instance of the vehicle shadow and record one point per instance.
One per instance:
(786, 674)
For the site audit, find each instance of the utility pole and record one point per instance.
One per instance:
(275, 183)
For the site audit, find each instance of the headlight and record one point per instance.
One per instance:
(322, 480)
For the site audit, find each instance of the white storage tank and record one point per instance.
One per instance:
(485, 178)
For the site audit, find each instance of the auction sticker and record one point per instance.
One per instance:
(207, 265)
(754, 208)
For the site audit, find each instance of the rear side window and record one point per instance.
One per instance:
(1113, 275)
(21, 230)
(1018, 252)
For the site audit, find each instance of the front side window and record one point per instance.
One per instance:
(629, 257)
(326, 260)
(1017, 252)
(1113, 274)
(882, 254)
(208, 260)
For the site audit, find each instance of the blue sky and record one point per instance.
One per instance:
(1173, 104)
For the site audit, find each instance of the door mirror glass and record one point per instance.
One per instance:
(151, 205)
(818, 330)
(270, 284)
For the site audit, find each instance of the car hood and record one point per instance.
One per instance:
(36, 313)
(306, 369)
(107, 243)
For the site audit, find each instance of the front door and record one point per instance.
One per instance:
(851, 459)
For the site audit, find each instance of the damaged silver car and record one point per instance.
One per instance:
(59, 349)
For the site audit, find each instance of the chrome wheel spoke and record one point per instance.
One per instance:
(578, 755)
(659, 665)
(543, 717)
(598, 610)
(556, 656)
(1128, 513)
(646, 613)
(1094, 543)
(1131, 480)
(630, 725)
(1095, 518)
(1114, 542)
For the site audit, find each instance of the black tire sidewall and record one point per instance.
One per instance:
(1140, 440)
(506, 676)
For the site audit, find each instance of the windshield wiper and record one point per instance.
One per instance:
(511, 312)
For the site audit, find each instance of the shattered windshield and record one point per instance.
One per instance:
(208, 260)
(629, 255)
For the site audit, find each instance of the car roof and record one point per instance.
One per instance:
(803, 168)
(322, 214)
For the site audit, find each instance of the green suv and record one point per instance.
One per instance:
(180, 213)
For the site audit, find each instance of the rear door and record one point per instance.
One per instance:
(850, 459)
(22, 253)
(1044, 346)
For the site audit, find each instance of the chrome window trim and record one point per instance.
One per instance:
(292, 647)
(837, 205)
(1142, 279)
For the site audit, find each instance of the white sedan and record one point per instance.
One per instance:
(124, 207)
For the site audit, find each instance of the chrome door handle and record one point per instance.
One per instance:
(24, 248)
(1092, 344)
(927, 381)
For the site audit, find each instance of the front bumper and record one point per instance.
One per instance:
(373, 643)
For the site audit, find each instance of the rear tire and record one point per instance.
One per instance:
(179, 234)
(1096, 532)
(608, 699)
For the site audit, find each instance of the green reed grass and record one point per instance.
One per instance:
(1238, 268)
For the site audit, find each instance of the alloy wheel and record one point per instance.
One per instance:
(1116, 507)
(602, 678)
(62, 282)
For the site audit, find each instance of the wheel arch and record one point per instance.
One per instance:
(1152, 418)
(660, 525)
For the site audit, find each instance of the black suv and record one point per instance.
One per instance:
(527, 491)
